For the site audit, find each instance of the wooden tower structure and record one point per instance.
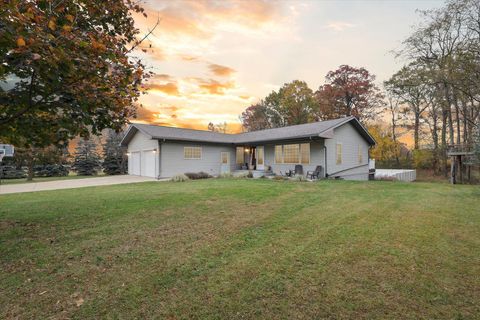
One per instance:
(460, 161)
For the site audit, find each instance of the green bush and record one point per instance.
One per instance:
(51, 170)
(197, 175)
(11, 172)
(179, 178)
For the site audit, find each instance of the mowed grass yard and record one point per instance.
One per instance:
(242, 249)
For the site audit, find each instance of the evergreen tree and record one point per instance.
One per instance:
(115, 156)
(87, 160)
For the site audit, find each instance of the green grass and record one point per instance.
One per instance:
(242, 249)
(46, 179)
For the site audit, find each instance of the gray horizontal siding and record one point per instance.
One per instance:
(316, 157)
(172, 161)
(350, 139)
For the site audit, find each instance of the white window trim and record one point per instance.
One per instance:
(221, 157)
(201, 153)
(299, 154)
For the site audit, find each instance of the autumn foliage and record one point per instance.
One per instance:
(349, 91)
(66, 69)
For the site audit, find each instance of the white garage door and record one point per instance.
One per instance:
(148, 163)
(135, 163)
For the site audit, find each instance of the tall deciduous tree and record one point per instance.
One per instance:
(349, 91)
(297, 104)
(66, 69)
(447, 43)
(412, 86)
(294, 103)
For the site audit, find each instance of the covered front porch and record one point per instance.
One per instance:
(280, 158)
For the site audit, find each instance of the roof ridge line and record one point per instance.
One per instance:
(346, 119)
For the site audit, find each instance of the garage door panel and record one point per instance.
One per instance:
(148, 163)
(135, 164)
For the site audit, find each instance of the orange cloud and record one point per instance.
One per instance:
(198, 19)
(169, 88)
(145, 115)
(148, 47)
(187, 57)
(162, 77)
(215, 87)
(220, 70)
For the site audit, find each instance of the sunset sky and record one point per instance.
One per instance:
(212, 59)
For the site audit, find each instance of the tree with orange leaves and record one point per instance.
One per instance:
(65, 69)
(349, 91)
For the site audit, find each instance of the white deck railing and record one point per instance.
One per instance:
(396, 174)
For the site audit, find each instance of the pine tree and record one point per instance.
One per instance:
(87, 160)
(115, 156)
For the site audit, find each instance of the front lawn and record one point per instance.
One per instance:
(242, 249)
(46, 179)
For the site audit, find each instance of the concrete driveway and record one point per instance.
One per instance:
(69, 184)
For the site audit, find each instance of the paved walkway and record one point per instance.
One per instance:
(69, 184)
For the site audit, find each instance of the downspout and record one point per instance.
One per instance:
(325, 156)
(158, 160)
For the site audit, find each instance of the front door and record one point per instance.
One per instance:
(225, 161)
(260, 158)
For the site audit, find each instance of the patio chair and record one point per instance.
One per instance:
(299, 170)
(315, 174)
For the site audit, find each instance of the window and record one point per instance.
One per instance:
(260, 156)
(192, 153)
(360, 154)
(291, 153)
(278, 154)
(224, 156)
(339, 153)
(305, 153)
(240, 157)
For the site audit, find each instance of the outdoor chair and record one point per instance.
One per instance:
(315, 174)
(299, 170)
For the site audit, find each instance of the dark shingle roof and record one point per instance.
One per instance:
(314, 129)
(171, 133)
